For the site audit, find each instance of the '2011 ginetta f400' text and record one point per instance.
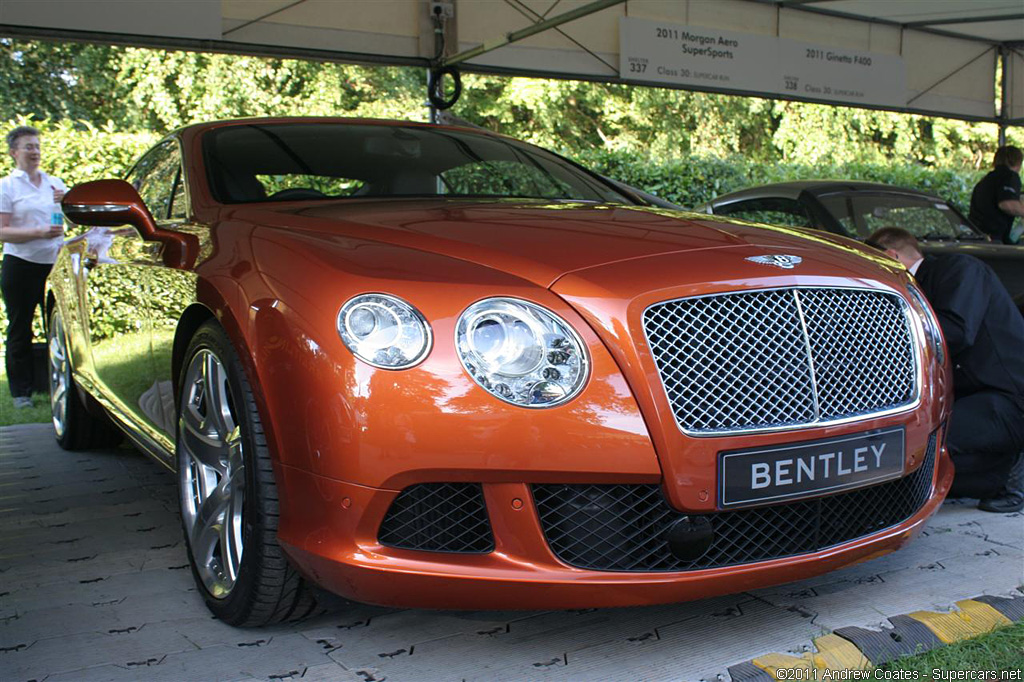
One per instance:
(435, 367)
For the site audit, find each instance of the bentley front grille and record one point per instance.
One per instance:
(782, 358)
(624, 527)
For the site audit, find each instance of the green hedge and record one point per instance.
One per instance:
(77, 153)
(694, 181)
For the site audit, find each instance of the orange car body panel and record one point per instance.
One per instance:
(337, 547)
(346, 437)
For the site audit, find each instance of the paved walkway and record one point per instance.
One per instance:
(95, 585)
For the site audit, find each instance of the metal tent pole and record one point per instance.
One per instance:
(1004, 89)
(540, 26)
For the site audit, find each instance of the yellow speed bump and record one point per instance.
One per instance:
(836, 653)
(773, 663)
(974, 618)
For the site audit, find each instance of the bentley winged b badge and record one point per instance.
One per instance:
(778, 260)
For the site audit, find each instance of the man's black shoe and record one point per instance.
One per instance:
(1011, 498)
(1015, 479)
(1006, 503)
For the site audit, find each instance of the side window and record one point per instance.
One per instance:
(840, 207)
(772, 211)
(156, 177)
(923, 220)
(177, 211)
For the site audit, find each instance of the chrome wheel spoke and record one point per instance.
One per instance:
(218, 409)
(211, 512)
(234, 450)
(231, 530)
(59, 377)
(59, 394)
(211, 474)
(206, 447)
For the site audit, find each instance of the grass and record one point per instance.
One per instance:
(1001, 650)
(9, 416)
(126, 361)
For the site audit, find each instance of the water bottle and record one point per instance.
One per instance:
(56, 216)
(1017, 231)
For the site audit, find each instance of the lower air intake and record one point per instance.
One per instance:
(623, 527)
(439, 517)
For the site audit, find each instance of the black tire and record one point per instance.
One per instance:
(75, 428)
(256, 586)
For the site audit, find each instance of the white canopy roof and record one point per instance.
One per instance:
(934, 57)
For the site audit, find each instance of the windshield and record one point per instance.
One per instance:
(310, 161)
(862, 213)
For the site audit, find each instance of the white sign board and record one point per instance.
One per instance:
(655, 51)
(693, 55)
(842, 75)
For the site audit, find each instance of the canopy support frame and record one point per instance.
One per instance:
(538, 27)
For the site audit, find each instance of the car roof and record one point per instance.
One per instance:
(792, 190)
(196, 128)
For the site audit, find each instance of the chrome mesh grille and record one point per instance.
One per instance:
(782, 357)
(623, 527)
(863, 351)
(439, 517)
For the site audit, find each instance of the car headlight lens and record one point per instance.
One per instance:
(384, 331)
(931, 325)
(521, 352)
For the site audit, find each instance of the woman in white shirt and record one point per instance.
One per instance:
(30, 245)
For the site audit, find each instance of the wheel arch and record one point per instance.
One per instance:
(191, 319)
(212, 307)
(48, 306)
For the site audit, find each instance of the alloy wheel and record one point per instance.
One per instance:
(211, 471)
(59, 374)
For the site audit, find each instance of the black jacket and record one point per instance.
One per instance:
(983, 328)
(999, 185)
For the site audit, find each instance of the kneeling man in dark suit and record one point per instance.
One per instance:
(985, 335)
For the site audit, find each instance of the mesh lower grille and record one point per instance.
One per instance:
(781, 357)
(439, 517)
(622, 527)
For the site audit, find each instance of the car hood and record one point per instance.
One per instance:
(539, 241)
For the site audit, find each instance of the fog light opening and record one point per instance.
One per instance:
(689, 537)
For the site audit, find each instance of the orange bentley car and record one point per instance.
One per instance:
(436, 367)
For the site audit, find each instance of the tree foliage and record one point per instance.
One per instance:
(51, 80)
(100, 107)
(141, 90)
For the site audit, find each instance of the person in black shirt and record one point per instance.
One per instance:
(995, 201)
(985, 335)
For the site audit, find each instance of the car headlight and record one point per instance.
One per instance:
(384, 331)
(521, 353)
(931, 325)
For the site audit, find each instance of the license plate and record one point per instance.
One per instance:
(795, 470)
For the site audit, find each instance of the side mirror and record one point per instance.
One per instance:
(112, 203)
(108, 203)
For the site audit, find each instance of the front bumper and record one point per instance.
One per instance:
(331, 534)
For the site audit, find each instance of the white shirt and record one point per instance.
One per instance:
(30, 206)
(915, 265)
